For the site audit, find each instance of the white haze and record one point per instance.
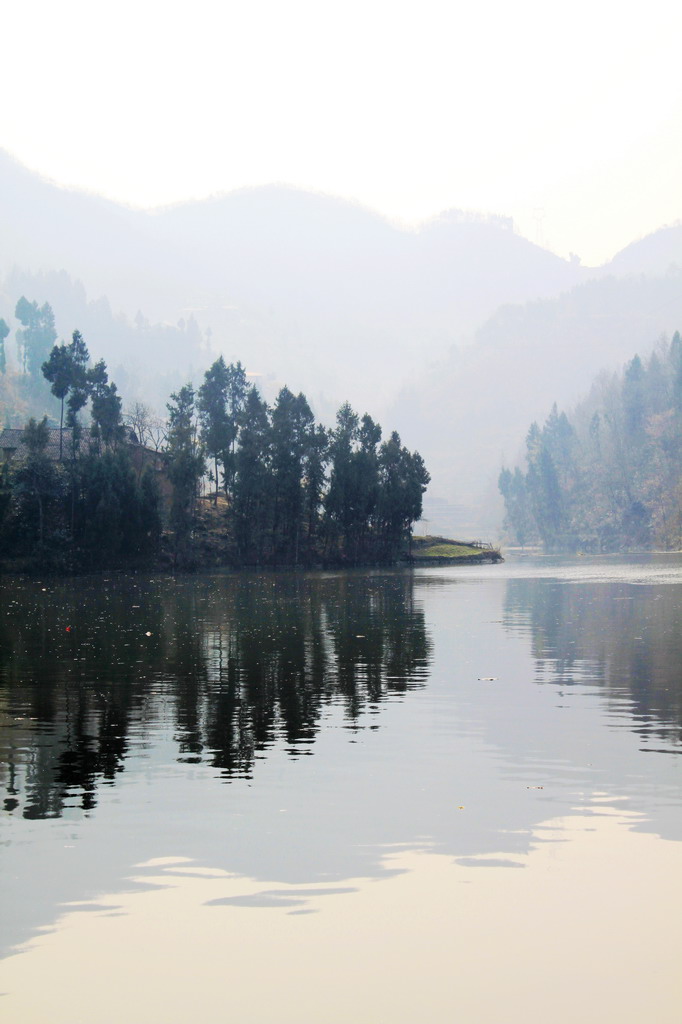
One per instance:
(564, 121)
(565, 117)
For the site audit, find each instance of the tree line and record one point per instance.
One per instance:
(79, 504)
(285, 489)
(294, 492)
(610, 477)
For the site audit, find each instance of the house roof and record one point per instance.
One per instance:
(12, 442)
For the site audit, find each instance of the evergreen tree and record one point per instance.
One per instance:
(185, 466)
(117, 518)
(37, 335)
(107, 421)
(36, 483)
(58, 370)
(519, 520)
(612, 477)
(315, 457)
(633, 398)
(236, 399)
(365, 484)
(79, 390)
(216, 432)
(149, 534)
(403, 479)
(292, 424)
(252, 505)
(339, 503)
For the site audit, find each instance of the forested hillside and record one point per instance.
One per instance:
(471, 411)
(609, 476)
(99, 484)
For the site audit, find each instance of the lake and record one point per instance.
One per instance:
(439, 795)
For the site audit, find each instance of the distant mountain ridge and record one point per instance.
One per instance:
(273, 271)
(456, 333)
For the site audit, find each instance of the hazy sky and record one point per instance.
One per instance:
(566, 117)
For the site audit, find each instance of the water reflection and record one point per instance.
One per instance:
(625, 638)
(160, 690)
(568, 938)
(230, 665)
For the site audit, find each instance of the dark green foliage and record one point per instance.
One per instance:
(58, 370)
(341, 498)
(236, 399)
(252, 506)
(292, 427)
(185, 467)
(150, 524)
(79, 388)
(216, 426)
(105, 406)
(315, 458)
(220, 402)
(282, 512)
(374, 495)
(98, 509)
(117, 519)
(612, 478)
(37, 487)
(403, 480)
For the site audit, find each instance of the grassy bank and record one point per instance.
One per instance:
(443, 551)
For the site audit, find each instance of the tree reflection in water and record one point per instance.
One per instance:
(91, 668)
(626, 638)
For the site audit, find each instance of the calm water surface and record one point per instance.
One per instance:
(380, 796)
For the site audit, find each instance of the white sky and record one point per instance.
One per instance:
(567, 118)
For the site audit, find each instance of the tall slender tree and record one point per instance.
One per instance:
(237, 388)
(79, 390)
(107, 421)
(340, 495)
(216, 424)
(252, 505)
(185, 466)
(58, 370)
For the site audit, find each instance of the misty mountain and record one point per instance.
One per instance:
(471, 412)
(457, 333)
(653, 255)
(311, 290)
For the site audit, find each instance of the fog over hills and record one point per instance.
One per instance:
(473, 410)
(313, 290)
(457, 333)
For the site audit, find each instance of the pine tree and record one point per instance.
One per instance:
(216, 434)
(339, 502)
(107, 421)
(79, 390)
(252, 505)
(58, 370)
(36, 483)
(185, 466)
(37, 337)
